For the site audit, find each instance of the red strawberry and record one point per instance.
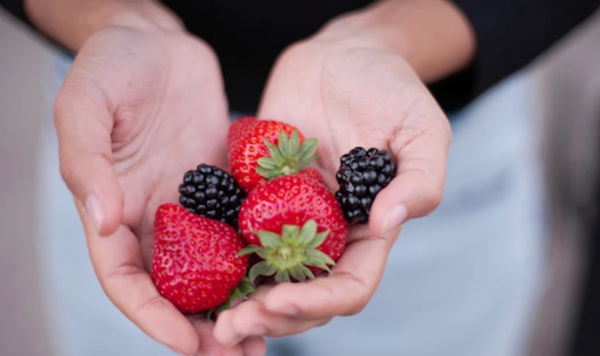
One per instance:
(195, 264)
(264, 149)
(310, 173)
(295, 224)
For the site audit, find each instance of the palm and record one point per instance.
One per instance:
(171, 117)
(346, 97)
(145, 107)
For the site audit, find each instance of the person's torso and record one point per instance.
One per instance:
(249, 35)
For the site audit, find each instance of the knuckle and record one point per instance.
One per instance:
(153, 303)
(202, 50)
(68, 172)
(358, 306)
(61, 105)
(355, 309)
(322, 322)
(434, 198)
(296, 48)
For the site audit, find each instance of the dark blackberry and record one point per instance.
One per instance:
(211, 192)
(362, 174)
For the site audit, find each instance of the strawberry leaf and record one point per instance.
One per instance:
(283, 144)
(267, 163)
(274, 152)
(289, 232)
(248, 250)
(307, 272)
(287, 256)
(282, 277)
(268, 239)
(294, 143)
(245, 287)
(308, 149)
(318, 239)
(307, 234)
(288, 156)
(262, 268)
(318, 259)
(298, 274)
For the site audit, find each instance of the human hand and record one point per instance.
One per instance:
(347, 94)
(137, 109)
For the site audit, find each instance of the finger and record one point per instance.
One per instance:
(83, 125)
(346, 292)
(421, 152)
(254, 346)
(117, 262)
(251, 319)
(209, 345)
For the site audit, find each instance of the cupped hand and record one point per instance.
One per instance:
(347, 94)
(138, 109)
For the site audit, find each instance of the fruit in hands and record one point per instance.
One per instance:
(211, 192)
(314, 175)
(361, 176)
(195, 263)
(264, 149)
(295, 225)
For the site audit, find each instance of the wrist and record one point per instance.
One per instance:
(88, 17)
(433, 36)
(142, 15)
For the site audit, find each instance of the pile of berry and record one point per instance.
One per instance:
(272, 205)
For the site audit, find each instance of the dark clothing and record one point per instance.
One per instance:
(584, 336)
(248, 36)
(585, 340)
(510, 34)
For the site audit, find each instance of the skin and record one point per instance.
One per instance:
(348, 86)
(141, 92)
(137, 96)
(120, 114)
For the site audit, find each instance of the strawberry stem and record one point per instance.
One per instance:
(289, 254)
(245, 287)
(288, 156)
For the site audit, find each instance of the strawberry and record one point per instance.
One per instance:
(314, 175)
(295, 224)
(195, 264)
(264, 149)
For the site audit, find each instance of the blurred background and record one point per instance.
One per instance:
(567, 79)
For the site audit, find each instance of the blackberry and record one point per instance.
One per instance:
(211, 192)
(362, 174)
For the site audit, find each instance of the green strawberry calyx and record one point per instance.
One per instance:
(289, 255)
(288, 156)
(245, 287)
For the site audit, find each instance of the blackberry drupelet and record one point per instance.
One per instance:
(362, 174)
(211, 192)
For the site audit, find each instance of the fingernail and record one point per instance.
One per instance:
(394, 218)
(94, 211)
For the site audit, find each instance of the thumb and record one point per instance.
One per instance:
(83, 124)
(417, 188)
